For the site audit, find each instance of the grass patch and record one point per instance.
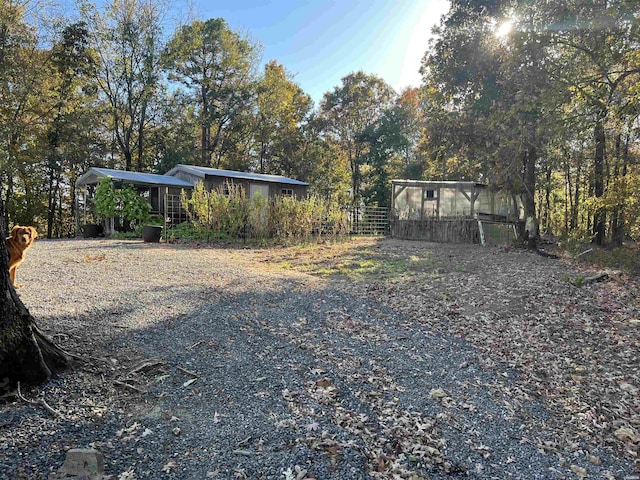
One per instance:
(625, 258)
(359, 259)
(577, 281)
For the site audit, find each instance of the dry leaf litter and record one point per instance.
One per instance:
(468, 362)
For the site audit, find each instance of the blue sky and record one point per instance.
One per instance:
(321, 41)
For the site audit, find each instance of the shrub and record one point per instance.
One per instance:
(229, 214)
(104, 199)
(125, 202)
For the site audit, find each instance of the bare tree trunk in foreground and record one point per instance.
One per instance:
(26, 354)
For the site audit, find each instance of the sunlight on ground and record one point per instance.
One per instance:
(358, 259)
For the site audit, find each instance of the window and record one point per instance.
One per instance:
(286, 192)
(155, 198)
(429, 194)
(152, 196)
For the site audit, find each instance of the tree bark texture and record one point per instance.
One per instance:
(529, 158)
(599, 217)
(26, 354)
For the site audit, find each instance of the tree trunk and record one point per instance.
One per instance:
(599, 217)
(204, 146)
(619, 223)
(576, 197)
(531, 226)
(26, 354)
(567, 196)
(547, 203)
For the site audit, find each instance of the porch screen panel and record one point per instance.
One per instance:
(448, 202)
(408, 203)
(483, 202)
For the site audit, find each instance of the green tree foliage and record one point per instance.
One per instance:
(357, 104)
(515, 109)
(127, 40)
(105, 200)
(23, 103)
(122, 202)
(598, 64)
(411, 117)
(175, 134)
(217, 65)
(72, 93)
(387, 144)
(282, 110)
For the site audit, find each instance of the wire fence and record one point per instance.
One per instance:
(363, 220)
(497, 233)
(369, 220)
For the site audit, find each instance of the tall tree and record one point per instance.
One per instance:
(175, 134)
(23, 77)
(357, 104)
(127, 39)
(387, 142)
(597, 44)
(411, 116)
(282, 108)
(218, 66)
(497, 90)
(72, 68)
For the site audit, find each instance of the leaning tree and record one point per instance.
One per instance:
(26, 354)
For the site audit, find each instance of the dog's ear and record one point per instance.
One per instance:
(34, 232)
(15, 231)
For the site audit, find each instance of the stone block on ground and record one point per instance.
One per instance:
(85, 463)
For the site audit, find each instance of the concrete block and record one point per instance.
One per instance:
(85, 463)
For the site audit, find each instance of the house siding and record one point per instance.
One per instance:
(187, 177)
(275, 189)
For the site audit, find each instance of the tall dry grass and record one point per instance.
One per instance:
(228, 213)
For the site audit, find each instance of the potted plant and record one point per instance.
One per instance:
(152, 230)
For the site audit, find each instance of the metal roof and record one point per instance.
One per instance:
(215, 172)
(450, 183)
(94, 174)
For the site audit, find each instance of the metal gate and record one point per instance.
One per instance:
(369, 220)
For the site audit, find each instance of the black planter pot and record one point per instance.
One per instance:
(89, 230)
(151, 233)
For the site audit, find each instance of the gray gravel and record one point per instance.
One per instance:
(257, 372)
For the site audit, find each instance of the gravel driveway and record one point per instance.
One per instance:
(208, 363)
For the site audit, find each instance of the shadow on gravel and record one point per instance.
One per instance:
(253, 385)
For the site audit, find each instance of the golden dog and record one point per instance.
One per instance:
(21, 238)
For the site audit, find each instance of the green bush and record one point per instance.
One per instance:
(125, 202)
(105, 199)
(133, 207)
(186, 232)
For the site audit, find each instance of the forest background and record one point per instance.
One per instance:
(540, 98)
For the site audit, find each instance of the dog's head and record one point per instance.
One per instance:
(24, 236)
